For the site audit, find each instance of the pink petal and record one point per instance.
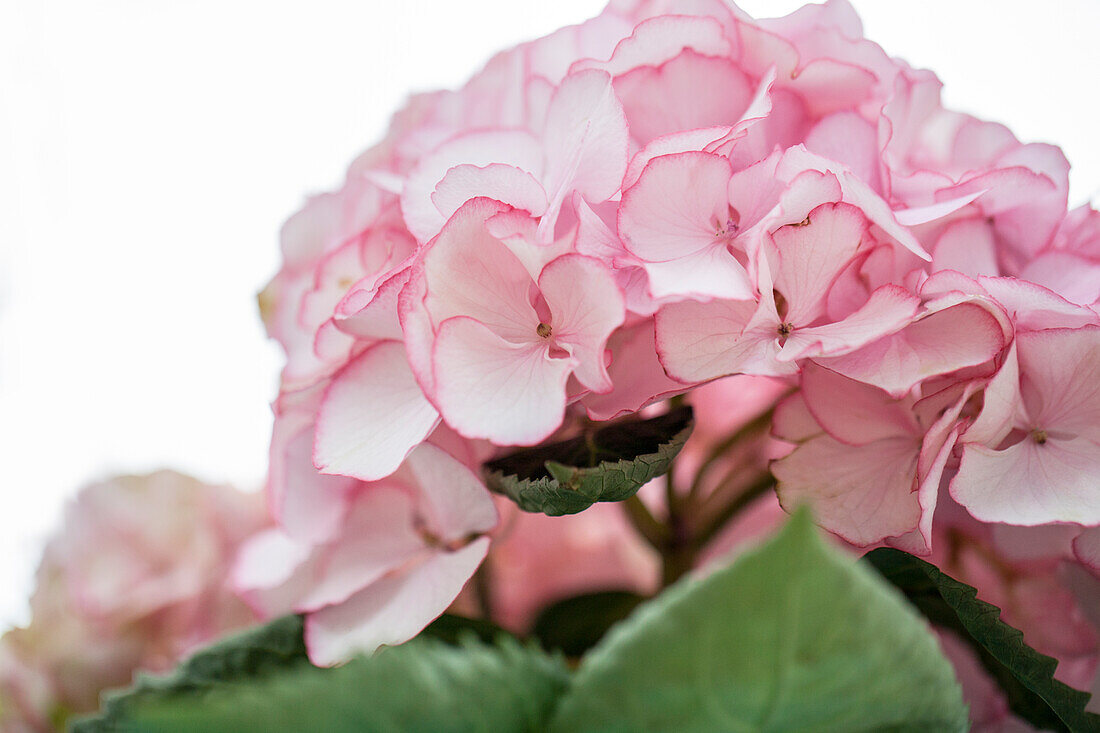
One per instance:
(268, 572)
(508, 147)
(687, 92)
(457, 501)
(497, 181)
(468, 272)
(585, 142)
(862, 493)
(1060, 384)
(309, 506)
(677, 206)
(888, 309)
(1074, 278)
(586, 306)
(372, 314)
(849, 139)
(660, 39)
(1029, 483)
(677, 142)
(811, 257)
(392, 610)
(378, 537)
(968, 247)
(1034, 307)
(941, 342)
(853, 412)
(709, 273)
(697, 342)
(932, 212)
(793, 421)
(372, 416)
(1087, 547)
(1001, 404)
(636, 373)
(486, 387)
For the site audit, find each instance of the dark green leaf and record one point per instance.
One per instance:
(424, 685)
(1025, 675)
(576, 624)
(606, 464)
(451, 628)
(795, 636)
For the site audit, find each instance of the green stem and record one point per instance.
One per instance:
(648, 526)
(764, 483)
(756, 425)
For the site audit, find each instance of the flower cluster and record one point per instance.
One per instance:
(665, 195)
(135, 579)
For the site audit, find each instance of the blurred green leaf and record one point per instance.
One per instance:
(795, 636)
(574, 625)
(1025, 675)
(424, 685)
(606, 464)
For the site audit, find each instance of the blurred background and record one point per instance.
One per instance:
(150, 149)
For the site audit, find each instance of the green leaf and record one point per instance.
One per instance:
(1025, 675)
(276, 646)
(795, 636)
(452, 629)
(574, 625)
(606, 464)
(424, 685)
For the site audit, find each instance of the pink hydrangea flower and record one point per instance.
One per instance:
(669, 194)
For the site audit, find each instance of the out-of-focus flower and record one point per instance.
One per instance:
(135, 578)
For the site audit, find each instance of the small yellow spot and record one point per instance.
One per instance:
(544, 330)
(1039, 436)
(785, 329)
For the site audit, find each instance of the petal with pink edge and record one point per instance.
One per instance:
(378, 537)
(496, 181)
(392, 610)
(967, 246)
(372, 416)
(660, 39)
(679, 206)
(486, 387)
(469, 272)
(1031, 483)
(862, 493)
(586, 306)
(697, 342)
(709, 273)
(270, 572)
(945, 341)
(636, 373)
(685, 93)
(888, 309)
(585, 142)
(853, 412)
(456, 500)
(1060, 380)
(508, 147)
(811, 257)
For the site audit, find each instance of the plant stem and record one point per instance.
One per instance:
(649, 527)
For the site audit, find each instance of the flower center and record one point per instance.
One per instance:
(1039, 436)
(785, 329)
(544, 330)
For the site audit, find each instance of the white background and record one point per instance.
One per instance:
(149, 150)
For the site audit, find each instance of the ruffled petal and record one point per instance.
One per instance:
(372, 416)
